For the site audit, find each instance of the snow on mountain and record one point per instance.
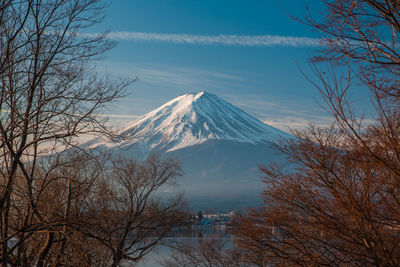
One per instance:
(192, 119)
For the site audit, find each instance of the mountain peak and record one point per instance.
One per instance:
(197, 94)
(192, 119)
(193, 97)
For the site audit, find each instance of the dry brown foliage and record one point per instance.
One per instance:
(337, 204)
(58, 206)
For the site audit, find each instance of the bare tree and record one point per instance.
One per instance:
(125, 214)
(97, 211)
(60, 186)
(52, 207)
(338, 204)
(217, 252)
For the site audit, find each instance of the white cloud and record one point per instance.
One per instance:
(120, 116)
(172, 76)
(288, 123)
(220, 39)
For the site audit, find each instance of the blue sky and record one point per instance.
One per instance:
(182, 46)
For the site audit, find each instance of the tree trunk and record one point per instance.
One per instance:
(44, 250)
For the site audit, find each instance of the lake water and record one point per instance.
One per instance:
(188, 235)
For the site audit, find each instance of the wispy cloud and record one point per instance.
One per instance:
(220, 39)
(120, 116)
(288, 123)
(173, 76)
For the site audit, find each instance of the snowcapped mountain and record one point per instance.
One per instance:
(192, 119)
(218, 144)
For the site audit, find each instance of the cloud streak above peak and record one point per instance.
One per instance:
(220, 39)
